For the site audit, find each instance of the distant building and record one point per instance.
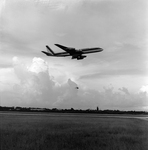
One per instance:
(97, 108)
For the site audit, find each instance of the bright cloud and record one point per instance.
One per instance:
(37, 88)
(144, 89)
(38, 65)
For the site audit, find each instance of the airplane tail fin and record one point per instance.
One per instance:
(50, 50)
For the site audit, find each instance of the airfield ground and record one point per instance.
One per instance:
(63, 131)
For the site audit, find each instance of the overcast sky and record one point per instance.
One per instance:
(116, 78)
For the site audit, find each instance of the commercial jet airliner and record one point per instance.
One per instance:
(69, 51)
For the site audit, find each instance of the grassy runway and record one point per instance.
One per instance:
(22, 131)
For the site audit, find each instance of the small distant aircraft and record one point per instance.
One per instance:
(69, 51)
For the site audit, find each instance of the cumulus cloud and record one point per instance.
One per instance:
(37, 88)
(125, 90)
(144, 88)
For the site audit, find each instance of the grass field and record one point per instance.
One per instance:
(21, 131)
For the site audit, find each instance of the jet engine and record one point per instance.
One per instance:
(81, 57)
(73, 57)
(78, 57)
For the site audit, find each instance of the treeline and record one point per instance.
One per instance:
(71, 110)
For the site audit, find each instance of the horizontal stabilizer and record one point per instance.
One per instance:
(50, 50)
(47, 53)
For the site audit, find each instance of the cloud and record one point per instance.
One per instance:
(37, 88)
(2, 5)
(60, 5)
(38, 65)
(144, 89)
(125, 90)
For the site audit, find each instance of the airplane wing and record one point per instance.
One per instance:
(67, 49)
(62, 54)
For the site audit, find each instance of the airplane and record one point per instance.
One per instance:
(69, 51)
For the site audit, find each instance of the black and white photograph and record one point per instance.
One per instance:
(73, 74)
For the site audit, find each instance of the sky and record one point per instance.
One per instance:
(116, 78)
